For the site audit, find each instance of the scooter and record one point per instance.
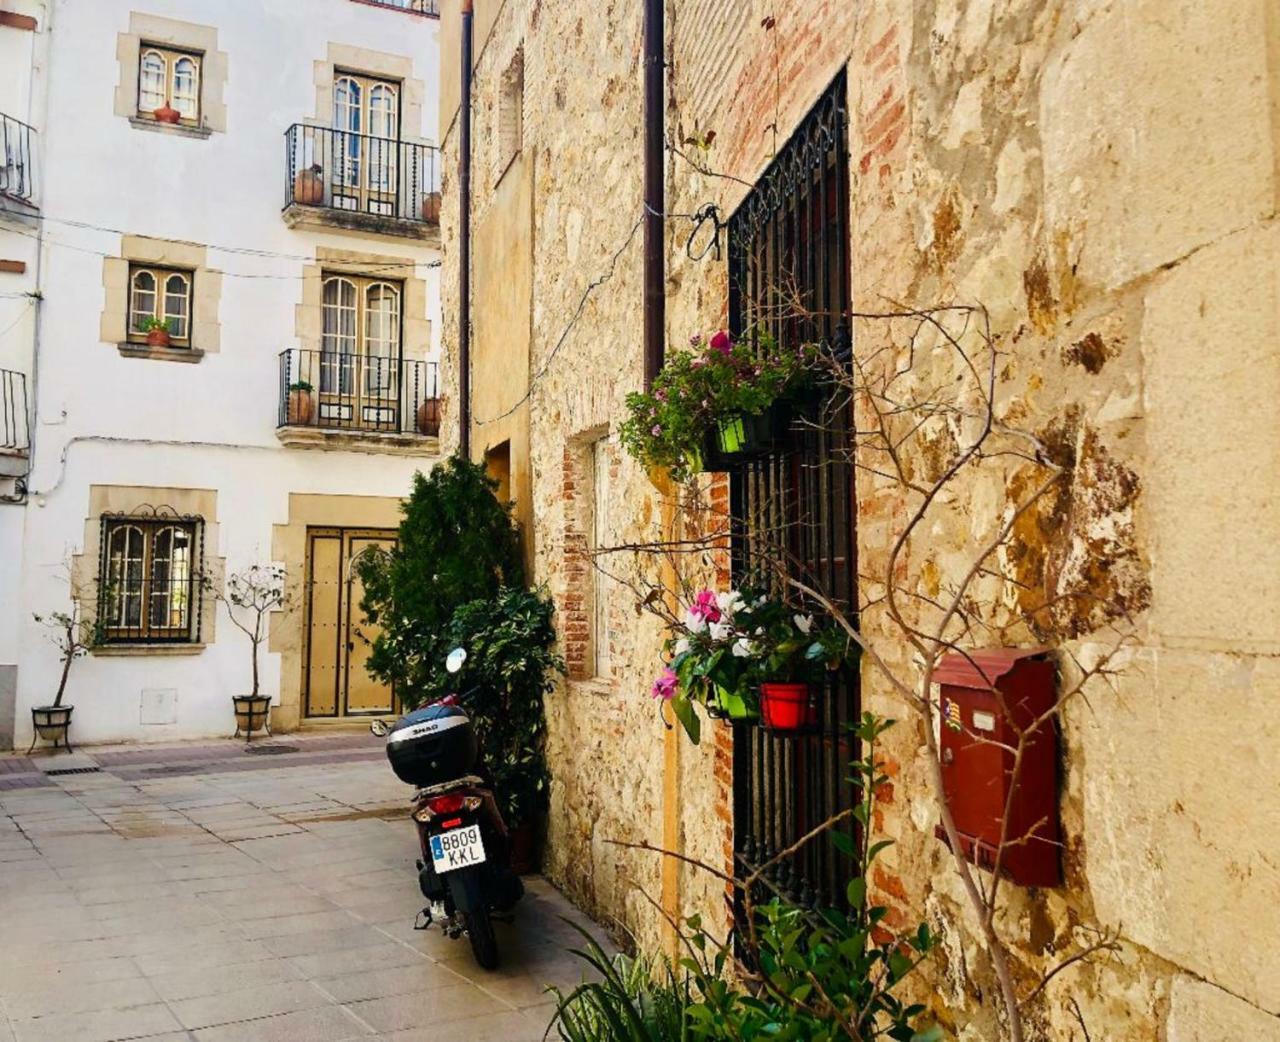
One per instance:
(465, 870)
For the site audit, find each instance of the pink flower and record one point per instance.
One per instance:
(655, 430)
(699, 362)
(695, 340)
(722, 342)
(705, 607)
(665, 686)
(660, 394)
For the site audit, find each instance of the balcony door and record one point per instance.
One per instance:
(366, 123)
(360, 353)
(339, 637)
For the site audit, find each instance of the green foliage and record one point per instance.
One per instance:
(509, 641)
(811, 976)
(301, 385)
(73, 635)
(456, 544)
(150, 324)
(667, 426)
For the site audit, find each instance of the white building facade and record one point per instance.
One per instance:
(219, 298)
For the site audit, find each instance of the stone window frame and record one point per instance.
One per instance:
(137, 499)
(161, 276)
(579, 610)
(171, 34)
(510, 136)
(205, 331)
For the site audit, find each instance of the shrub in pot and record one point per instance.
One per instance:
(158, 331)
(248, 596)
(308, 185)
(74, 637)
(301, 404)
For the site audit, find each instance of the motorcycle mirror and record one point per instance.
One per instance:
(455, 660)
(380, 728)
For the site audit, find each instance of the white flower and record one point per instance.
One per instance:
(682, 645)
(762, 599)
(730, 602)
(804, 623)
(694, 623)
(743, 648)
(720, 630)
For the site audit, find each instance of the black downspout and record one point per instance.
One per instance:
(655, 291)
(464, 241)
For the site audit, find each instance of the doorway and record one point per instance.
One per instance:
(336, 682)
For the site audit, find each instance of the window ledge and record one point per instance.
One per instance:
(146, 650)
(161, 354)
(169, 128)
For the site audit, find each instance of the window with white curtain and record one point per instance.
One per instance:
(366, 119)
(360, 336)
(163, 294)
(168, 76)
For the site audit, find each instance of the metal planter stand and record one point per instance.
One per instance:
(51, 723)
(253, 713)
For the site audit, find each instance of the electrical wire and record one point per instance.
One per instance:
(14, 324)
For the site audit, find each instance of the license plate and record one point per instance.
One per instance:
(456, 848)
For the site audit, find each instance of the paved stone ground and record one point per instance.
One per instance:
(199, 892)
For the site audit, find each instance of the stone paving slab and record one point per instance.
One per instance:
(271, 902)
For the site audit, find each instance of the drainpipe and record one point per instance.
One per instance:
(655, 292)
(464, 240)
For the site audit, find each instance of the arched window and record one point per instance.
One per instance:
(170, 577)
(186, 87)
(169, 77)
(381, 338)
(152, 74)
(366, 119)
(339, 334)
(149, 578)
(161, 294)
(123, 595)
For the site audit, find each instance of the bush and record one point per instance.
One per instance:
(456, 544)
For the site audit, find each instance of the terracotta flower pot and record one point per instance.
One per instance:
(429, 416)
(51, 723)
(787, 707)
(431, 208)
(308, 187)
(166, 113)
(300, 408)
(158, 337)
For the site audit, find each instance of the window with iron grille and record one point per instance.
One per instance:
(789, 274)
(149, 578)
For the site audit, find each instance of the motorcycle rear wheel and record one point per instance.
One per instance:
(484, 946)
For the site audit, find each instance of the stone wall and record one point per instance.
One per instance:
(1101, 177)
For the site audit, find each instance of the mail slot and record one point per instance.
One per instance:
(986, 698)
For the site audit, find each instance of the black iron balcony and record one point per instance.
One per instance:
(325, 391)
(341, 178)
(15, 433)
(17, 161)
(429, 8)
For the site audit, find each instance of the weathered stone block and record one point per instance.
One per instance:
(1211, 360)
(1199, 1012)
(1186, 859)
(1158, 133)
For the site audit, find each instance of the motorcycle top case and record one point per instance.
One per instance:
(432, 745)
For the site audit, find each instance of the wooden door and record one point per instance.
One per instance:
(366, 119)
(336, 682)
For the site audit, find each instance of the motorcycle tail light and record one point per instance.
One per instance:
(451, 803)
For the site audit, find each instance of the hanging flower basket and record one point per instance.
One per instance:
(788, 708)
(743, 435)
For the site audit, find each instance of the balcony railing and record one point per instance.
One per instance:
(375, 177)
(358, 393)
(17, 160)
(15, 434)
(430, 8)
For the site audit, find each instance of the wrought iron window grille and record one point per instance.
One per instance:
(788, 246)
(150, 566)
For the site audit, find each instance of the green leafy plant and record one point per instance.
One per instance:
(301, 385)
(668, 425)
(456, 544)
(150, 324)
(509, 640)
(805, 975)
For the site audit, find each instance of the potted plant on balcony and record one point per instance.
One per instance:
(74, 637)
(431, 207)
(308, 185)
(300, 405)
(429, 416)
(166, 113)
(248, 596)
(158, 331)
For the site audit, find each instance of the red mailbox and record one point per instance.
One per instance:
(986, 696)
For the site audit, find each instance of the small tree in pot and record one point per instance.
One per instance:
(248, 596)
(74, 637)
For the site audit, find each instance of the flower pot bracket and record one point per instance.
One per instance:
(253, 713)
(52, 724)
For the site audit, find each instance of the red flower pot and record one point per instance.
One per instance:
(787, 707)
(166, 113)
